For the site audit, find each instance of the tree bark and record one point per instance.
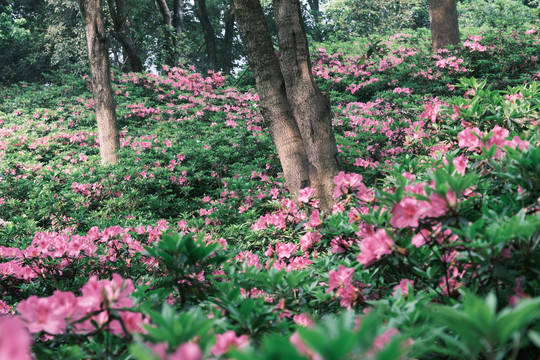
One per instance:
(275, 107)
(228, 40)
(444, 24)
(178, 20)
(101, 80)
(298, 113)
(315, 9)
(123, 34)
(310, 106)
(208, 31)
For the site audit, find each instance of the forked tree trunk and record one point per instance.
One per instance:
(310, 106)
(297, 112)
(444, 23)
(101, 80)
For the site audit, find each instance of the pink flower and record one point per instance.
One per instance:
(302, 348)
(314, 219)
(406, 213)
(305, 193)
(15, 340)
(436, 207)
(228, 340)
(285, 250)
(403, 286)
(345, 182)
(460, 164)
(374, 247)
(42, 314)
(420, 238)
(339, 278)
(303, 320)
(470, 139)
(187, 351)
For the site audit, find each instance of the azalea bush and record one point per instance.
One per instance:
(192, 248)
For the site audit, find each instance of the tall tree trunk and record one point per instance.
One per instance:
(444, 23)
(178, 20)
(208, 31)
(310, 106)
(101, 80)
(298, 113)
(275, 106)
(123, 34)
(228, 39)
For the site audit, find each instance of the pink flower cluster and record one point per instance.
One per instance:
(474, 140)
(342, 281)
(55, 313)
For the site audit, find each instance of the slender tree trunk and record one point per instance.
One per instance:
(208, 31)
(275, 106)
(298, 113)
(178, 20)
(310, 106)
(444, 23)
(101, 80)
(123, 34)
(169, 44)
(228, 39)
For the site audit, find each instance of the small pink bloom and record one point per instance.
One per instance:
(228, 340)
(305, 194)
(285, 250)
(460, 163)
(187, 351)
(374, 247)
(404, 286)
(41, 314)
(339, 278)
(302, 348)
(303, 320)
(406, 213)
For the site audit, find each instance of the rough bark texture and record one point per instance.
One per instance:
(275, 106)
(178, 20)
(101, 80)
(208, 31)
(444, 23)
(298, 113)
(228, 40)
(122, 33)
(310, 106)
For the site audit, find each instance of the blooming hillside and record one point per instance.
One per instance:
(191, 247)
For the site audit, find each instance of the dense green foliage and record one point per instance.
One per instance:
(191, 247)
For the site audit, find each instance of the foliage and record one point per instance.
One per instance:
(191, 248)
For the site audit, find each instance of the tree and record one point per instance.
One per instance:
(101, 80)
(297, 112)
(444, 23)
(174, 28)
(122, 33)
(208, 32)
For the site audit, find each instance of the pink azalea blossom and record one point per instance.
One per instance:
(228, 340)
(460, 163)
(406, 213)
(305, 194)
(42, 314)
(187, 351)
(339, 278)
(302, 348)
(403, 286)
(15, 340)
(374, 247)
(303, 320)
(285, 250)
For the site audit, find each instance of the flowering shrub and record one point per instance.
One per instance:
(190, 248)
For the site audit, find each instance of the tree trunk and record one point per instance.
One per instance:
(169, 45)
(297, 112)
(228, 40)
(444, 24)
(122, 33)
(275, 107)
(310, 106)
(101, 80)
(208, 31)
(178, 20)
